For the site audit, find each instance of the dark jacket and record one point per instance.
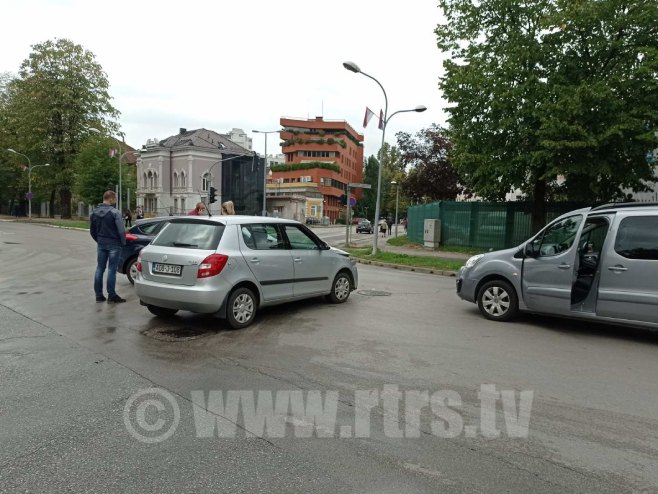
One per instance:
(106, 226)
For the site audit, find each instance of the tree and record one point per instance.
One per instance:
(391, 170)
(431, 175)
(551, 96)
(60, 93)
(97, 172)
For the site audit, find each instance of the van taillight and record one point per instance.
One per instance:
(138, 264)
(212, 265)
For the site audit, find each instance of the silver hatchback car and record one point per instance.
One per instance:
(234, 265)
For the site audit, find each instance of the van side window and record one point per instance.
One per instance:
(560, 236)
(637, 238)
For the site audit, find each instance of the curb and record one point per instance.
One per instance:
(407, 268)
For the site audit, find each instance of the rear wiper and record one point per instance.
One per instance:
(179, 244)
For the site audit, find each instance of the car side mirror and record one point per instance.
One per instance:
(324, 246)
(532, 249)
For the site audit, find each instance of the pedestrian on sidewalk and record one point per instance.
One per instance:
(199, 210)
(389, 225)
(128, 217)
(404, 224)
(107, 229)
(228, 208)
(383, 227)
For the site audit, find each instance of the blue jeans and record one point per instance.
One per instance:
(106, 255)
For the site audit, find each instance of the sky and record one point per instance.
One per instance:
(246, 63)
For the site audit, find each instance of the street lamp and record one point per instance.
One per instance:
(29, 180)
(397, 202)
(265, 170)
(96, 131)
(352, 67)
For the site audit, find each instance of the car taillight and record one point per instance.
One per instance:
(130, 236)
(212, 265)
(138, 264)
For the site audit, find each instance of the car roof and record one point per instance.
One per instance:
(237, 219)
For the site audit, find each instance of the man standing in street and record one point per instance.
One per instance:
(107, 229)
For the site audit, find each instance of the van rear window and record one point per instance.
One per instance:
(191, 235)
(637, 238)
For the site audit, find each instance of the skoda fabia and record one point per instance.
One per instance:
(234, 265)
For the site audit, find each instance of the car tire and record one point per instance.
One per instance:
(340, 288)
(241, 308)
(131, 270)
(497, 300)
(161, 311)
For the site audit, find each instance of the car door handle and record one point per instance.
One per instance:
(617, 269)
(297, 259)
(254, 260)
(564, 266)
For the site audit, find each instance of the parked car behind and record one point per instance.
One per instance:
(138, 237)
(234, 265)
(364, 226)
(598, 264)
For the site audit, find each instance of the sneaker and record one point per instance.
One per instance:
(115, 299)
(100, 298)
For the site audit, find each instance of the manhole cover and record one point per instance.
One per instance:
(374, 293)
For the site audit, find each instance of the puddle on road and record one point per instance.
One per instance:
(172, 334)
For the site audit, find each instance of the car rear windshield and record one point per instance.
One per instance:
(200, 235)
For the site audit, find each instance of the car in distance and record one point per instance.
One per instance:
(598, 264)
(234, 265)
(138, 237)
(364, 226)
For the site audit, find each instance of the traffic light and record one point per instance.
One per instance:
(212, 195)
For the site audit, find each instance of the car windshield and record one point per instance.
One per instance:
(191, 235)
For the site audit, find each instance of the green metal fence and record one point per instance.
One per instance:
(485, 225)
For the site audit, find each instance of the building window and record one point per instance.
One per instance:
(175, 205)
(182, 205)
(183, 181)
(175, 181)
(205, 181)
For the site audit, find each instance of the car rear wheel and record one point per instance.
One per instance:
(340, 288)
(131, 270)
(161, 311)
(241, 308)
(497, 301)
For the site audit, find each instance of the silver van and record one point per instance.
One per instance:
(598, 264)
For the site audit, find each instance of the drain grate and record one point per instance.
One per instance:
(374, 293)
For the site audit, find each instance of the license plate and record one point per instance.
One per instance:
(170, 269)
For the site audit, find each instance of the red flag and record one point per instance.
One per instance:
(381, 119)
(367, 117)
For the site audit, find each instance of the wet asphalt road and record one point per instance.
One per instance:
(68, 367)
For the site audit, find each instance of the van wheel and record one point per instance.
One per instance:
(340, 288)
(497, 300)
(241, 308)
(161, 311)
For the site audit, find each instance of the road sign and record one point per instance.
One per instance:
(28, 196)
(360, 186)
(352, 201)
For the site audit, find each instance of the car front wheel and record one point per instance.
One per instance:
(340, 288)
(497, 300)
(241, 308)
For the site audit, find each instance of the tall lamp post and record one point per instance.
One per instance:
(397, 203)
(265, 168)
(352, 67)
(29, 180)
(96, 131)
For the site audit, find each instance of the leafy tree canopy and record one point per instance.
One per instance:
(61, 92)
(431, 176)
(551, 96)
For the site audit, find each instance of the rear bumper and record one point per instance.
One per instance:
(206, 298)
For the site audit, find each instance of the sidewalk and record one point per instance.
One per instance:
(422, 251)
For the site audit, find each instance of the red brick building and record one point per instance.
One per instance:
(328, 153)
